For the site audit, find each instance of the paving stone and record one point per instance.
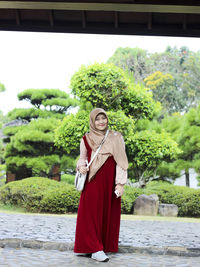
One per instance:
(57, 232)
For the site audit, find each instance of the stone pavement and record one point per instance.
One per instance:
(10, 257)
(152, 235)
(57, 233)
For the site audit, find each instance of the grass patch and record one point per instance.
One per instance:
(159, 218)
(15, 210)
(11, 209)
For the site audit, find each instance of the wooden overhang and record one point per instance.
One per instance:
(147, 17)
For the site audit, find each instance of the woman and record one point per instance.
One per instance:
(98, 219)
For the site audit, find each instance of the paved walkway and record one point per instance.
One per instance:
(10, 257)
(132, 233)
(43, 240)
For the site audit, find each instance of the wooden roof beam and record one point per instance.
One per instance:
(118, 7)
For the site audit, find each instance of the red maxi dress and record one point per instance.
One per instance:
(99, 211)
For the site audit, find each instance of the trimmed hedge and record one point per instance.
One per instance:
(129, 196)
(68, 178)
(187, 199)
(39, 194)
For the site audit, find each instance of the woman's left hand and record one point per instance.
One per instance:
(120, 188)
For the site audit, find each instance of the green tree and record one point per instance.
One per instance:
(133, 103)
(46, 103)
(164, 90)
(138, 102)
(185, 129)
(189, 142)
(30, 149)
(99, 84)
(191, 77)
(108, 87)
(2, 120)
(148, 150)
(133, 60)
(173, 61)
(182, 64)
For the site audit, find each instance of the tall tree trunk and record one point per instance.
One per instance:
(187, 178)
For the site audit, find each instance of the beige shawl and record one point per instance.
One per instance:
(113, 146)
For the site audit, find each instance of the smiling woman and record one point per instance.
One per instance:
(98, 220)
(101, 122)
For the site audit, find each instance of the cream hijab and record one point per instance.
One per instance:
(113, 146)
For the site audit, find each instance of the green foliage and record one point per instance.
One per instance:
(68, 178)
(57, 100)
(32, 147)
(68, 163)
(149, 149)
(24, 192)
(70, 131)
(30, 150)
(99, 84)
(38, 165)
(188, 139)
(37, 194)
(62, 200)
(32, 113)
(30, 137)
(187, 199)
(2, 87)
(118, 121)
(138, 102)
(170, 170)
(3, 119)
(12, 130)
(106, 86)
(1, 151)
(164, 90)
(2, 174)
(135, 60)
(185, 129)
(183, 90)
(128, 198)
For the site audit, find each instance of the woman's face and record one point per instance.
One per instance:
(101, 122)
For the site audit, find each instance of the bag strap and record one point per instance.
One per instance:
(88, 164)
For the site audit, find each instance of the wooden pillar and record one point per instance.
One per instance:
(56, 172)
(10, 177)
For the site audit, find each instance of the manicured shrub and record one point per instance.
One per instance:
(68, 178)
(24, 191)
(129, 196)
(187, 199)
(39, 194)
(60, 200)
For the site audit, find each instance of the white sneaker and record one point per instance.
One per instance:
(99, 256)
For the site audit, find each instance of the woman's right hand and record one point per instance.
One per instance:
(83, 169)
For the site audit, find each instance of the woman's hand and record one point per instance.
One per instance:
(120, 188)
(83, 169)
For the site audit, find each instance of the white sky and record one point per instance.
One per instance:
(48, 60)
